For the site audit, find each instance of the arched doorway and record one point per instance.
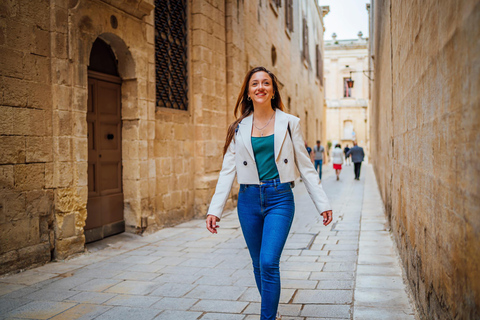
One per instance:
(105, 191)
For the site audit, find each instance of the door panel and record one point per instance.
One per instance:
(105, 194)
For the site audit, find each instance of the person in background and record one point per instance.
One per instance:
(309, 151)
(319, 155)
(347, 159)
(337, 159)
(357, 157)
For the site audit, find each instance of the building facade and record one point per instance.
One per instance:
(113, 114)
(425, 136)
(347, 108)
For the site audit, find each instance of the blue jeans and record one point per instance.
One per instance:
(319, 163)
(266, 213)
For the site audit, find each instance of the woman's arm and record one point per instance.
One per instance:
(224, 183)
(308, 173)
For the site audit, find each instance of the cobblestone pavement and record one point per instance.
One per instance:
(348, 270)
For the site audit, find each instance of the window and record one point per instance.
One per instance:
(289, 15)
(347, 92)
(348, 133)
(319, 64)
(305, 54)
(171, 72)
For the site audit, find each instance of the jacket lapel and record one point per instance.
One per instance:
(280, 130)
(245, 130)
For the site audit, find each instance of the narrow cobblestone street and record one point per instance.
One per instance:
(348, 270)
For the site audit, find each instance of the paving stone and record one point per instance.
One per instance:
(295, 275)
(252, 295)
(8, 287)
(20, 293)
(381, 282)
(222, 316)
(145, 268)
(379, 270)
(323, 296)
(97, 285)
(28, 278)
(341, 247)
(142, 276)
(82, 311)
(50, 295)
(39, 310)
(381, 298)
(339, 266)
(10, 304)
(171, 289)
(301, 266)
(137, 301)
(177, 279)
(216, 280)
(178, 315)
(127, 313)
(325, 311)
(216, 292)
(220, 306)
(332, 275)
(67, 283)
(368, 313)
(90, 297)
(336, 285)
(180, 270)
(174, 303)
(299, 284)
(133, 287)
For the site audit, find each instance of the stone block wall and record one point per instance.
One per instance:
(26, 145)
(425, 136)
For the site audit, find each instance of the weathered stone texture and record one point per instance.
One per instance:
(425, 130)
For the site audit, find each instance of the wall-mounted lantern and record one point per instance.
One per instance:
(350, 81)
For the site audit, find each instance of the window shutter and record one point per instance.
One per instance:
(171, 71)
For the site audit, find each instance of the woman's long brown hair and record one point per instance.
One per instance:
(247, 105)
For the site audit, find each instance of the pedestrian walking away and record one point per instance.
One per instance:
(357, 155)
(348, 162)
(264, 148)
(319, 155)
(337, 159)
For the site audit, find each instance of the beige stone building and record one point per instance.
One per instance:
(425, 124)
(347, 108)
(113, 113)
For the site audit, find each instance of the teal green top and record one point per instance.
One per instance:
(264, 151)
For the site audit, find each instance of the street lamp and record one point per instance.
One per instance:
(350, 81)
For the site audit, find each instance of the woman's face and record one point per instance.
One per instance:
(260, 87)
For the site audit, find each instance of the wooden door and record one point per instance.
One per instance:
(105, 195)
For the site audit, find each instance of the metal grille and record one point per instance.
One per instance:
(171, 54)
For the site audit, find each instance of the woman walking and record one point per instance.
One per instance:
(337, 159)
(264, 148)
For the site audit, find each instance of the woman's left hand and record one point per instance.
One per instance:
(327, 217)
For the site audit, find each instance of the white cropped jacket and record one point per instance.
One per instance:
(291, 158)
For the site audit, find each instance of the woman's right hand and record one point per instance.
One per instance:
(212, 223)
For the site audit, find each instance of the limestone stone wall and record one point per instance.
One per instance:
(170, 158)
(425, 136)
(27, 149)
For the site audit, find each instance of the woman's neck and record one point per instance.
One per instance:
(263, 112)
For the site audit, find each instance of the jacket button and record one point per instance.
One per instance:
(286, 160)
(244, 163)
